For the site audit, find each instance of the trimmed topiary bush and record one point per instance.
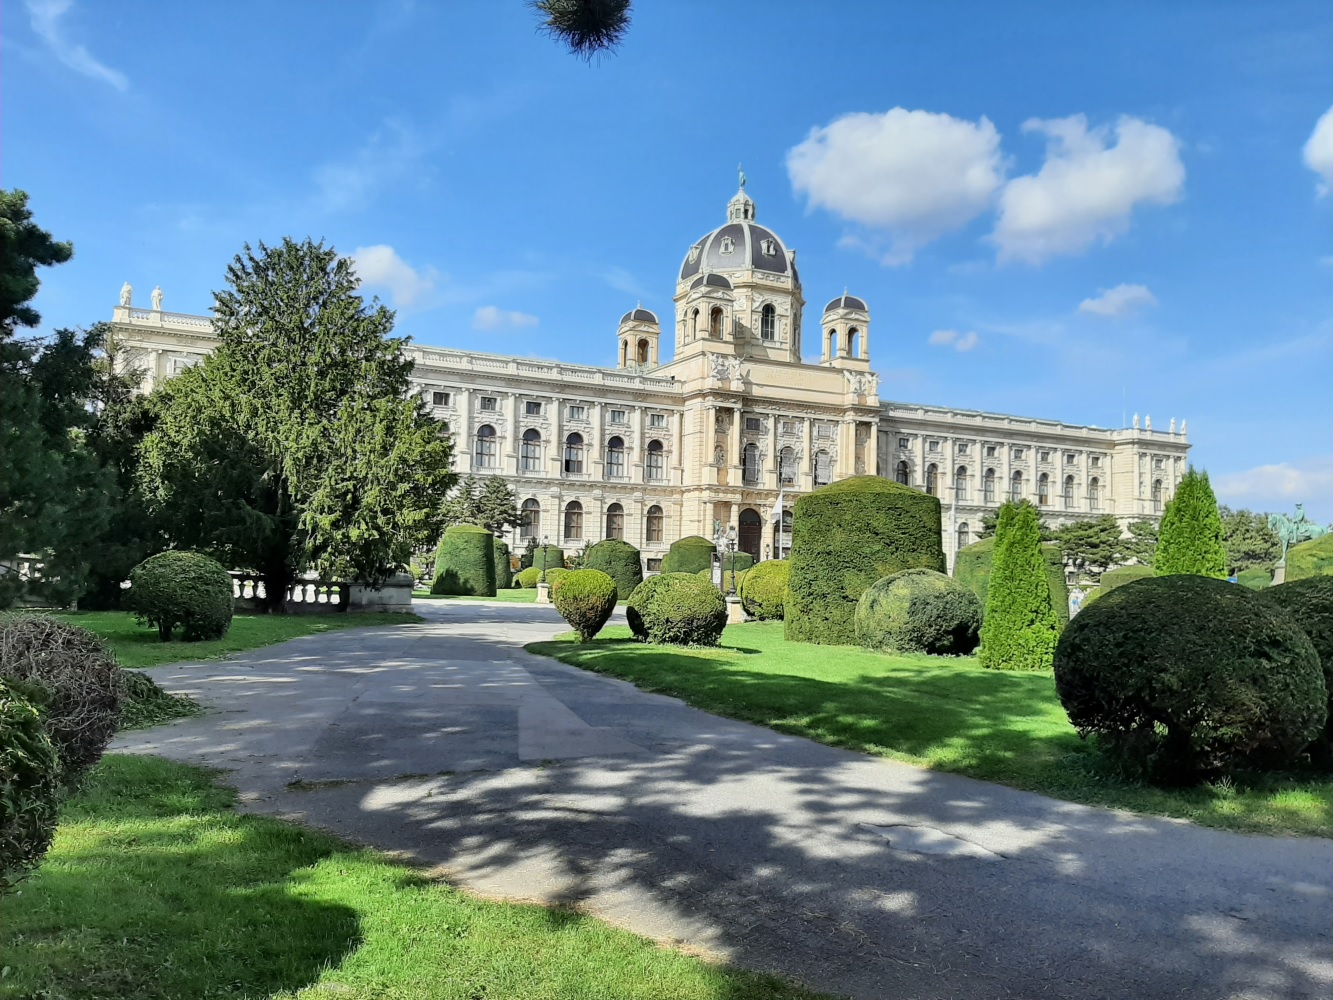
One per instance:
(742, 561)
(689, 555)
(1312, 558)
(765, 589)
(1118, 577)
(1309, 602)
(527, 578)
(725, 588)
(182, 589)
(678, 608)
(553, 577)
(972, 567)
(1189, 539)
(554, 555)
(465, 562)
(72, 679)
(618, 560)
(1021, 627)
(844, 538)
(504, 573)
(1186, 676)
(585, 599)
(1256, 578)
(29, 787)
(918, 611)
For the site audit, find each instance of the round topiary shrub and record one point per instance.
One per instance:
(765, 589)
(527, 578)
(689, 555)
(1186, 676)
(1255, 578)
(29, 787)
(504, 573)
(182, 589)
(678, 608)
(465, 562)
(618, 560)
(844, 538)
(1312, 558)
(918, 611)
(72, 679)
(585, 599)
(973, 563)
(1309, 602)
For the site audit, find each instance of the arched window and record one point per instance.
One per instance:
(964, 535)
(960, 483)
(1069, 492)
(531, 515)
(485, 452)
(833, 343)
(694, 325)
(643, 351)
(530, 451)
(574, 521)
(652, 530)
(932, 474)
(768, 323)
(787, 466)
(988, 486)
(750, 466)
(1016, 487)
(615, 521)
(615, 458)
(715, 323)
(574, 453)
(902, 474)
(854, 342)
(823, 468)
(654, 465)
(1156, 496)
(1043, 490)
(624, 353)
(1094, 494)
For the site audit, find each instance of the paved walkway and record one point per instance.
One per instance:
(521, 777)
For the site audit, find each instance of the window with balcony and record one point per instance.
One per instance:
(615, 521)
(932, 478)
(530, 451)
(1016, 487)
(1069, 492)
(988, 486)
(654, 525)
(484, 452)
(654, 463)
(574, 521)
(1043, 490)
(960, 483)
(615, 458)
(531, 518)
(574, 454)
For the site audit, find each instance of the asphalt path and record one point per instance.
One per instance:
(521, 777)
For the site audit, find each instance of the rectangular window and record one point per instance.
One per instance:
(617, 416)
(1096, 462)
(904, 442)
(824, 431)
(1157, 463)
(657, 420)
(753, 424)
(576, 412)
(1043, 456)
(933, 446)
(990, 451)
(532, 408)
(654, 565)
(488, 402)
(789, 427)
(1018, 454)
(439, 399)
(962, 448)
(1070, 458)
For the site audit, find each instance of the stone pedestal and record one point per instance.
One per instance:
(395, 595)
(1279, 573)
(543, 593)
(735, 612)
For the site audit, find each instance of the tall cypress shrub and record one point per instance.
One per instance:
(1190, 540)
(1021, 627)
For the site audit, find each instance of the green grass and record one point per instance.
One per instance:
(136, 646)
(944, 713)
(525, 596)
(156, 888)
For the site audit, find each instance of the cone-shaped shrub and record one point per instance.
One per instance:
(679, 608)
(29, 787)
(618, 560)
(1309, 602)
(765, 589)
(918, 611)
(465, 562)
(184, 590)
(504, 573)
(1021, 626)
(585, 599)
(1312, 558)
(844, 538)
(689, 555)
(1189, 541)
(973, 564)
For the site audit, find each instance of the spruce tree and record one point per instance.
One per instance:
(1190, 540)
(1021, 627)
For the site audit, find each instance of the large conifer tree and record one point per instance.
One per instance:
(1021, 627)
(1190, 539)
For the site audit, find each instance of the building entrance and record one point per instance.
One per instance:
(751, 533)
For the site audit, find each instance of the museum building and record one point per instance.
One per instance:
(653, 450)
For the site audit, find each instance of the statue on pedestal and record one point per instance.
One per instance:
(126, 295)
(157, 299)
(1295, 529)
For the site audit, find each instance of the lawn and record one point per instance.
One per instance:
(156, 888)
(527, 595)
(944, 713)
(137, 646)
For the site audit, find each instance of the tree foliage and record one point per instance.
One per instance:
(296, 444)
(1190, 537)
(991, 518)
(24, 247)
(1141, 545)
(587, 27)
(489, 502)
(1249, 541)
(1021, 627)
(1092, 546)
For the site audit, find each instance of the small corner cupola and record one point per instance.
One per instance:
(639, 334)
(846, 333)
(741, 207)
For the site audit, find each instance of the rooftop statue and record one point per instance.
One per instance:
(126, 294)
(1296, 529)
(157, 299)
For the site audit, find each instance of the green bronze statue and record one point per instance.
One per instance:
(1294, 530)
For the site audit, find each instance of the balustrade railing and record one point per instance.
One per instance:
(302, 595)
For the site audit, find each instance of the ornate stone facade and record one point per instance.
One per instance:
(651, 451)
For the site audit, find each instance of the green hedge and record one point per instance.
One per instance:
(918, 611)
(1118, 577)
(1190, 539)
(527, 578)
(1256, 578)
(678, 608)
(183, 590)
(1186, 676)
(765, 589)
(1309, 602)
(741, 560)
(29, 787)
(618, 560)
(585, 599)
(465, 562)
(1021, 626)
(555, 557)
(972, 567)
(553, 577)
(689, 555)
(1312, 558)
(845, 537)
(504, 573)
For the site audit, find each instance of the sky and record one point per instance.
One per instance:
(1070, 211)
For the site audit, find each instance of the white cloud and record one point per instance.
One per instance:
(381, 267)
(1318, 151)
(389, 155)
(910, 175)
(493, 318)
(1087, 189)
(45, 16)
(962, 342)
(1122, 300)
(1280, 485)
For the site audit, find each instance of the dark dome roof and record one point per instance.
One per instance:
(737, 246)
(846, 301)
(639, 315)
(713, 280)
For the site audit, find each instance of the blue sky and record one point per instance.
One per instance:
(1052, 210)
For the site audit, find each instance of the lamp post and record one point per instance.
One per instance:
(544, 558)
(731, 556)
(543, 588)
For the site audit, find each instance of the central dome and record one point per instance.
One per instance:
(738, 245)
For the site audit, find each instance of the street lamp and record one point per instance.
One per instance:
(731, 556)
(544, 558)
